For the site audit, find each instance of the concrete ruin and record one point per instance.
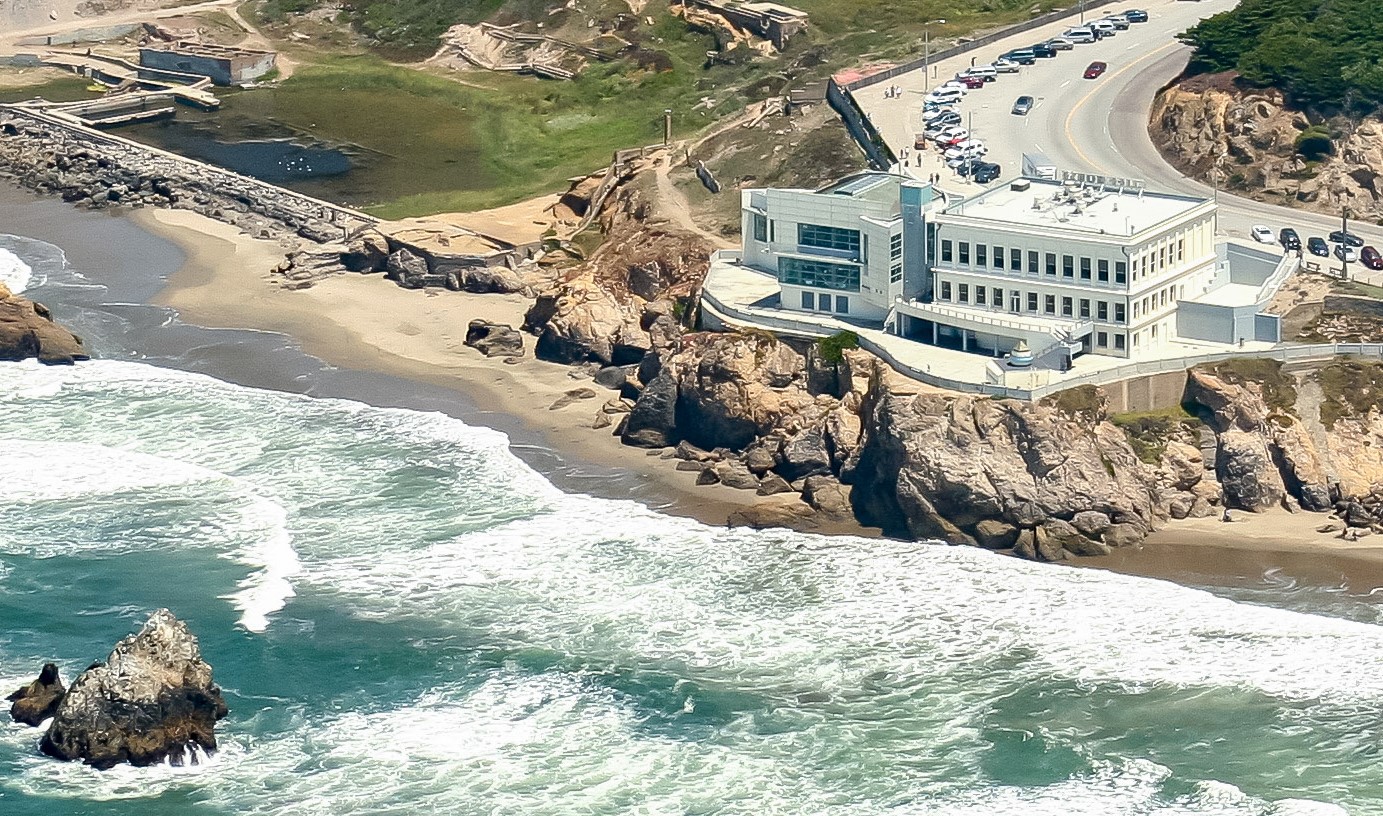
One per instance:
(223, 64)
(773, 22)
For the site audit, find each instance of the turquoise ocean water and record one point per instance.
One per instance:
(407, 619)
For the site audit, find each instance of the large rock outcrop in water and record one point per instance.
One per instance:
(27, 330)
(974, 470)
(152, 699)
(39, 700)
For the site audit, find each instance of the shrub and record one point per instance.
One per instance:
(1315, 143)
(833, 348)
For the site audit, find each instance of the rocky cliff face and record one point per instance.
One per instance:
(1252, 136)
(27, 331)
(1044, 478)
(152, 699)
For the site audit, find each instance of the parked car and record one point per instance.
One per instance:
(1136, 16)
(1042, 50)
(985, 72)
(970, 149)
(1022, 105)
(1346, 238)
(970, 81)
(1262, 234)
(1022, 56)
(1289, 239)
(1061, 44)
(1369, 257)
(1101, 29)
(1079, 35)
(941, 98)
(1119, 23)
(947, 140)
(1005, 66)
(953, 85)
(1345, 253)
(942, 131)
(1095, 69)
(942, 118)
(1316, 245)
(984, 172)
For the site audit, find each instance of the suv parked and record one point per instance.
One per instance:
(1136, 16)
(1042, 50)
(1288, 238)
(1120, 23)
(1317, 246)
(984, 172)
(1022, 56)
(1080, 35)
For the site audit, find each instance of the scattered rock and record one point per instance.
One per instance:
(153, 699)
(571, 396)
(494, 339)
(829, 496)
(773, 484)
(27, 331)
(653, 421)
(39, 700)
(736, 475)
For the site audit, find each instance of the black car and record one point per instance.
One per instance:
(1346, 238)
(1289, 239)
(1317, 246)
(1022, 56)
(984, 172)
(1136, 16)
(1022, 105)
(1042, 50)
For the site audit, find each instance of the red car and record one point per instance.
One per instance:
(971, 82)
(1094, 70)
(1369, 257)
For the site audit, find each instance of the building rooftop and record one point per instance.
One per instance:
(205, 49)
(880, 188)
(1083, 206)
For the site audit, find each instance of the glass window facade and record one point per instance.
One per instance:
(820, 274)
(760, 228)
(834, 238)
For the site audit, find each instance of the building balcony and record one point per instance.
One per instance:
(995, 321)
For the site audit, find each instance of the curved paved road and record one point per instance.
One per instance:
(1097, 126)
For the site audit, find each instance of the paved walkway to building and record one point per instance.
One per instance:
(741, 297)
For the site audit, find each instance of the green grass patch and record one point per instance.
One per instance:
(1279, 390)
(1149, 432)
(1359, 289)
(1083, 401)
(833, 348)
(1349, 388)
(61, 89)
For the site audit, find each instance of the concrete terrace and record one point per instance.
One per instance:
(737, 297)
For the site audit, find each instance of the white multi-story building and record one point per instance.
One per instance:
(839, 250)
(1048, 268)
(1086, 266)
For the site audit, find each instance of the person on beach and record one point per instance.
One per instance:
(1226, 517)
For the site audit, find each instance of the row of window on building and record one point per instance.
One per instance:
(1035, 302)
(983, 256)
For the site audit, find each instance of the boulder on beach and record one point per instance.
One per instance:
(152, 699)
(39, 700)
(494, 339)
(27, 330)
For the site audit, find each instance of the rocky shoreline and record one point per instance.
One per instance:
(27, 331)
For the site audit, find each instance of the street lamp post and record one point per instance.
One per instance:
(927, 51)
(1344, 256)
(1082, 12)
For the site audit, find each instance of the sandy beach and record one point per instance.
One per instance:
(366, 323)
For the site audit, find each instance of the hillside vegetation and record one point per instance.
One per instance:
(1322, 54)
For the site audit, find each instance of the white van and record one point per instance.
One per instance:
(1079, 35)
(944, 96)
(986, 72)
(1104, 26)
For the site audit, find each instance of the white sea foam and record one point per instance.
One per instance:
(14, 273)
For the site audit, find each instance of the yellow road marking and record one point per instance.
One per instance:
(1070, 139)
